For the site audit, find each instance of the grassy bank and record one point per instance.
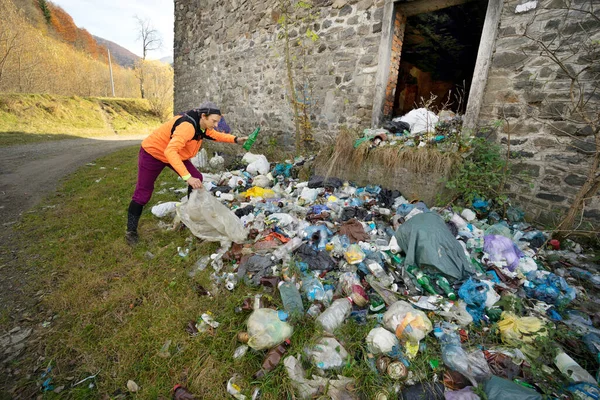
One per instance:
(26, 118)
(111, 308)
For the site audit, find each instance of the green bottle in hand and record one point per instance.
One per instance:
(251, 139)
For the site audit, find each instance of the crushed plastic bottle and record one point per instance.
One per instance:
(336, 314)
(292, 302)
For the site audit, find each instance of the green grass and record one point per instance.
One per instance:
(27, 118)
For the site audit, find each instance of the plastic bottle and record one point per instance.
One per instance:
(315, 310)
(272, 359)
(292, 302)
(285, 251)
(379, 273)
(335, 315)
(251, 139)
(571, 369)
(443, 283)
(181, 393)
(421, 278)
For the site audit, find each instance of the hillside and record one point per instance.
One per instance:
(28, 118)
(120, 55)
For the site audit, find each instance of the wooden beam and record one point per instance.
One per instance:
(426, 6)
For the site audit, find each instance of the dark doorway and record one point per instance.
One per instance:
(438, 58)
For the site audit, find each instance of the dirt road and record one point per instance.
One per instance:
(29, 172)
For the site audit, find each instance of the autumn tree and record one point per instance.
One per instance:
(151, 40)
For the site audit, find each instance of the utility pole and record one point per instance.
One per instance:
(112, 82)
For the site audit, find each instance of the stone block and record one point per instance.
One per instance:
(531, 170)
(585, 146)
(346, 10)
(555, 198)
(575, 180)
(508, 59)
(544, 143)
(566, 158)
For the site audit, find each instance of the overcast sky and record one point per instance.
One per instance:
(114, 20)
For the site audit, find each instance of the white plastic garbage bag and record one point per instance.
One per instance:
(217, 162)
(210, 220)
(309, 195)
(380, 340)
(261, 181)
(249, 158)
(257, 164)
(420, 120)
(164, 209)
(236, 181)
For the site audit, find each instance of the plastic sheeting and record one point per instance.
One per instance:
(208, 219)
(427, 242)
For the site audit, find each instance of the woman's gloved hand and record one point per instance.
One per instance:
(241, 140)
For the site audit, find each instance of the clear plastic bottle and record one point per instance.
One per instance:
(335, 315)
(571, 369)
(292, 302)
(379, 273)
(284, 252)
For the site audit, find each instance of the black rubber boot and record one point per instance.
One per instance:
(133, 219)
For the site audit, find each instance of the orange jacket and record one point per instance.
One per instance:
(181, 145)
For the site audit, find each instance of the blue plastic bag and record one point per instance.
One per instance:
(549, 288)
(474, 293)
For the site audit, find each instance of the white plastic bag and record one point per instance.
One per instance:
(210, 220)
(164, 209)
(261, 181)
(420, 120)
(249, 158)
(309, 195)
(327, 353)
(380, 340)
(259, 167)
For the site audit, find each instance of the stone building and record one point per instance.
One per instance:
(515, 64)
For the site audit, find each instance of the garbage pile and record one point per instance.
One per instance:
(418, 128)
(480, 296)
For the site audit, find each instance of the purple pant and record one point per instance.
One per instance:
(148, 170)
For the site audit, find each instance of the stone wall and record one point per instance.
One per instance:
(530, 94)
(232, 52)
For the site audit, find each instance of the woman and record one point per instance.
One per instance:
(172, 145)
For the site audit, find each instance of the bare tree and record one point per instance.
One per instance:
(151, 40)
